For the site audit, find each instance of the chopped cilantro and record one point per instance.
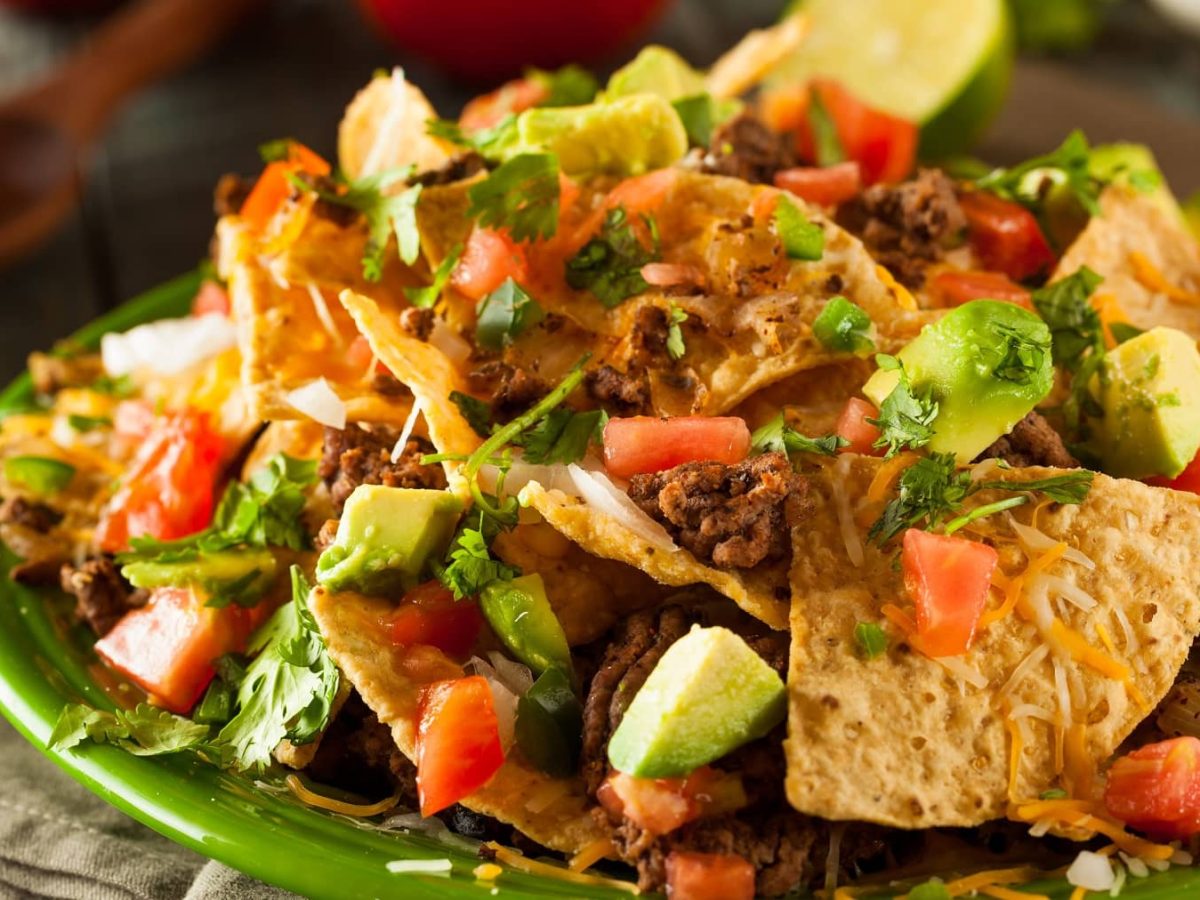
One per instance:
(1145, 181)
(478, 413)
(521, 196)
(572, 85)
(504, 315)
(610, 264)
(779, 437)
(121, 386)
(1068, 164)
(826, 143)
(288, 689)
(88, 423)
(277, 150)
(144, 730)
(1074, 323)
(426, 297)
(1053, 794)
(905, 419)
(562, 436)
(1022, 357)
(470, 566)
(844, 327)
(675, 318)
(386, 214)
(801, 238)
(487, 142)
(1073, 487)
(871, 640)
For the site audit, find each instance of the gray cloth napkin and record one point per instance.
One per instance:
(59, 840)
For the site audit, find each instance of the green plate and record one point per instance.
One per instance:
(46, 661)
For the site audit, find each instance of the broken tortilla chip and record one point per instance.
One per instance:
(384, 127)
(390, 679)
(1149, 260)
(909, 741)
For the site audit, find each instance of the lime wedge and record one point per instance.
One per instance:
(944, 64)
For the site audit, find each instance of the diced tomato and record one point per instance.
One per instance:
(638, 196)
(956, 288)
(167, 647)
(458, 741)
(660, 805)
(709, 876)
(948, 579)
(649, 444)
(273, 186)
(852, 425)
(1187, 480)
(514, 96)
(824, 186)
(133, 420)
(1156, 789)
(430, 615)
(883, 145)
(168, 490)
(489, 258)
(359, 355)
(211, 298)
(1005, 235)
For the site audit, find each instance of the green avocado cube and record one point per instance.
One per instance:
(385, 538)
(986, 363)
(1151, 423)
(250, 571)
(656, 70)
(709, 694)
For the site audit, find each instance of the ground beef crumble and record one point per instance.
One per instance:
(744, 147)
(102, 595)
(510, 389)
(619, 393)
(907, 225)
(1032, 442)
(732, 516)
(356, 455)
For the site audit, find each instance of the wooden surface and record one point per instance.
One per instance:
(291, 69)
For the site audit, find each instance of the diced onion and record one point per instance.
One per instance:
(514, 675)
(854, 549)
(1136, 867)
(318, 401)
(504, 702)
(1118, 882)
(1024, 667)
(420, 867)
(168, 346)
(1032, 539)
(1041, 828)
(406, 431)
(521, 473)
(1182, 857)
(597, 491)
(449, 342)
(962, 671)
(1091, 871)
(1158, 865)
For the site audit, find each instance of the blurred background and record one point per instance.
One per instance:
(1121, 69)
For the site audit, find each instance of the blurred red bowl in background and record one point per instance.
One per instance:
(56, 7)
(488, 40)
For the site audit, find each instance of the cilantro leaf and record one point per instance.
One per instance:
(1073, 487)
(844, 327)
(675, 346)
(1068, 164)
(487, 142)
(778, 437)
(928, 490)
(265, 511)
(1074, 323)
(478, 413)
(426, 297)
(1123, 331)
(143, 731)
(288, 689)
(278, 150)
(504, 315)
(801, 238)
(1023, 356)
(871, 640)
(826, 143)
(87, 423)
(905, 419)
(521, 196)
(561, 436)
(470, 566)
(610, 264)
(572, 85)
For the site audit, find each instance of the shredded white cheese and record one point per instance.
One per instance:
(1024, 667)
(406, 431)
(962, 671)
(1034, 540)
(420, 867)
(1032, 711)
(1070, 592)
(1131, 641)
(854, 549)
(323, 314)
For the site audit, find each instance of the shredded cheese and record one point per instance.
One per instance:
(590, 854)
(487, 871)
(359, 810)
(962, 671)
(1016, 748)
(854, 549)
(1090, 816)
(1003, 893)
(899, 618)
(534, 867)
(886, 474)
(324, 316)
(1024, 667)
(1078, 769)
(406, 431)
(1079, 893)
(1152, 279)
(991, 877)
(903, 298)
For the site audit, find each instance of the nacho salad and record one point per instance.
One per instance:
(666, 484)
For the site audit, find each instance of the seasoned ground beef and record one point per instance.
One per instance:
(389, 385)
(648, 340)
(29, 513)
(51, 372)
(1032, 442)
(357, 754)
(417, 322)
(230, 194)
(907, 225)
(357, 455)
(339, 214)
(101, 595)
(510, 389)
(786, 848)
(744, 147)
(733, 516)
(462, 166)
(620, 393)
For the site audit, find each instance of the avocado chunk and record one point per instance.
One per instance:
(709, 694)
(523, 619)
(385, 537)
(243, 572)
(656, 70)
(627, 136)
(986, 363)
(1147, 388)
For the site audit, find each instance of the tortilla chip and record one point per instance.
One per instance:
(900, 741)
(290, 335)
(1131, 224)
(384, 128)
(552, 811)
(761, 591)
(811, 400)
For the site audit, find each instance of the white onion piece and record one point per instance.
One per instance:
(513, 675)
(450, 342)
(521, 473)
(1091, 871)
(1182, 857)
(1040, 828)
(504, 702)
(168, 346)
(1158, 865)
(318, 401)
(984, 468)
(406, 431)
(597, 491)
(1033, 539)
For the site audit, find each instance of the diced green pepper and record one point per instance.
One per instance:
(523, 619)
(550, 723)
(845, 327)
(39, 474)
(801, 238)
(216, 707)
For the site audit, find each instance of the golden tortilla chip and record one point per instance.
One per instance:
(1149, 260)
(811, 400)
(384, 127)
(900, 740)
(552, 811)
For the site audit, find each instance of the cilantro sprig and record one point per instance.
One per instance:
(144, 730)
(675, 319)
(905, 418)
(504, 315)
(521, 195)
(826, 143)
(426, 297)
(470, 566)
(1068, 162)
(778, 437)
(610, 264)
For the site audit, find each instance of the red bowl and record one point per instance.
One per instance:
(59, 7)
(488, 40)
